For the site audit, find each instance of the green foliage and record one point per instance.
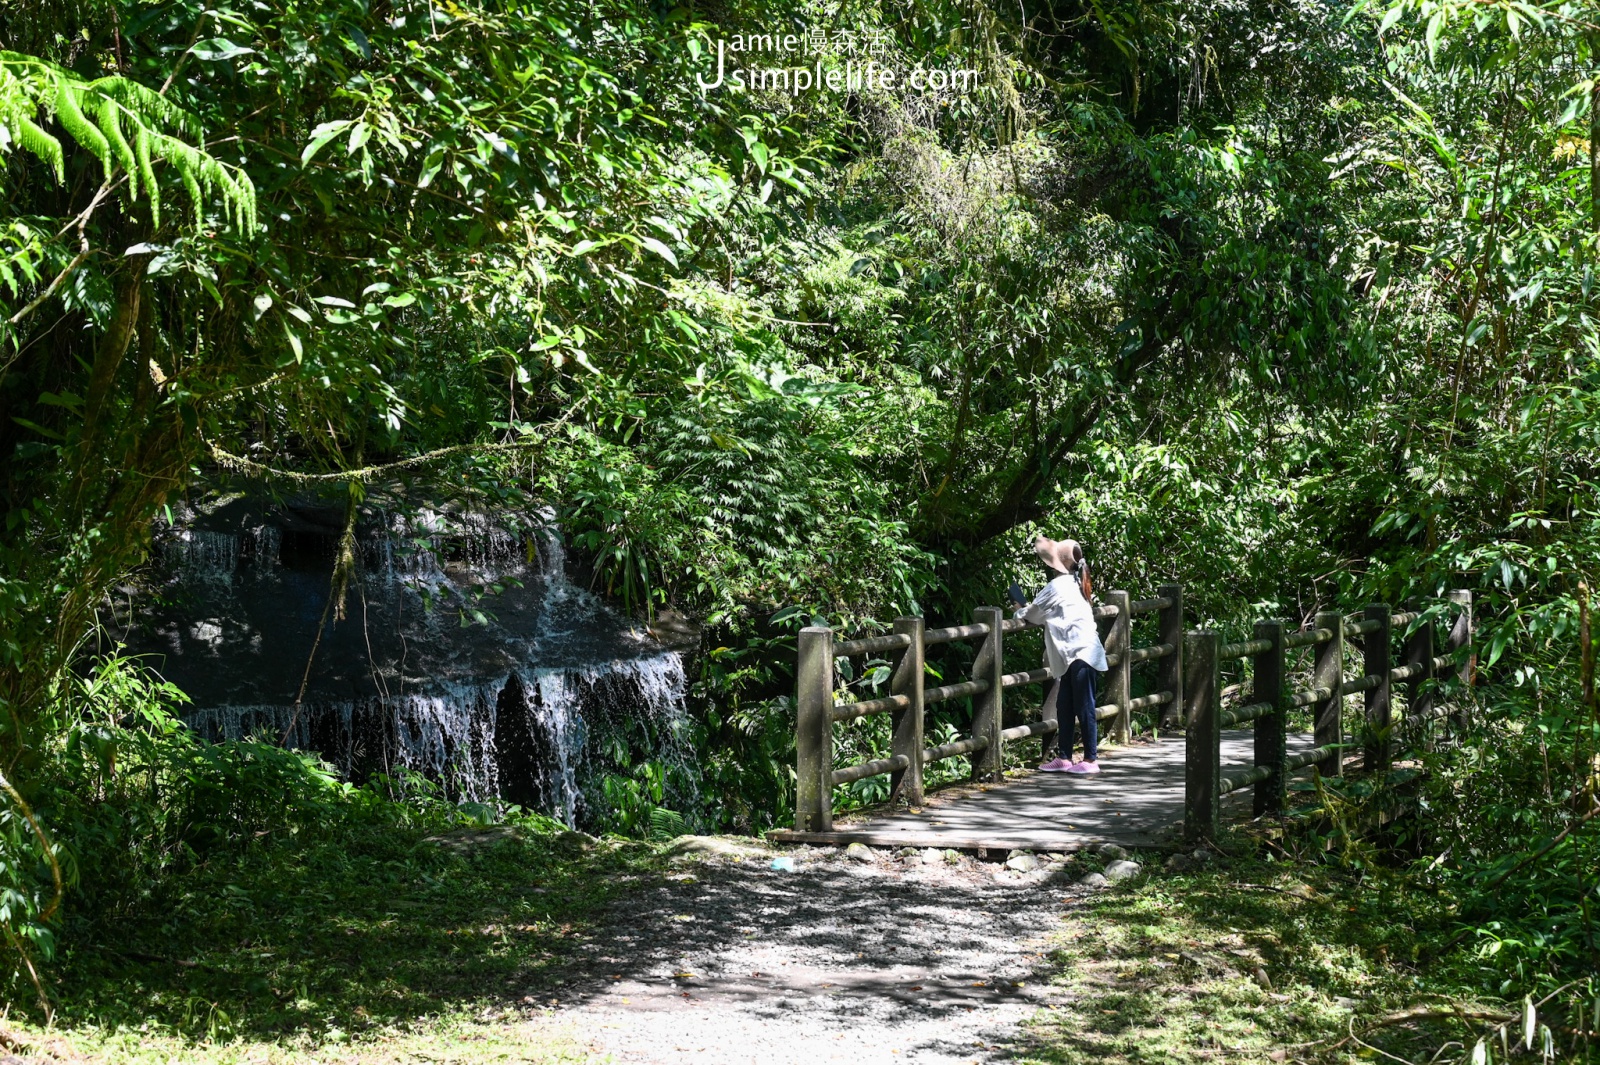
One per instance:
(1262, 956)
(93, 114)
(180, 851)
(1287, 303)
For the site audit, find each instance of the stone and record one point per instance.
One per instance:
(1022, 862)
(1093, 880)
(702, 848)
(1178, 863)
(1114, 851)
(860, 852)
(908, 852)
(931, 857)
(1121, 870)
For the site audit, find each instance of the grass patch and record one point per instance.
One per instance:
(379, 943)
(1251, 960)
(458, 1040)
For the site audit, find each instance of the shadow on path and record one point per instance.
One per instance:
(893, 960)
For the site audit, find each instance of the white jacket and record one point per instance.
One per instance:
(1070, 634)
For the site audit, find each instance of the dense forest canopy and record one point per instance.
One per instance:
(1291, 301)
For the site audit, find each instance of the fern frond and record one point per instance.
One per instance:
(148, 106)
(202, 173)
(32, 136)
(133, 127)
(69, 112)
(110, 116)
(192, 184)
(147, 172)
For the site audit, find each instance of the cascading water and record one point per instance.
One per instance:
(465, 654)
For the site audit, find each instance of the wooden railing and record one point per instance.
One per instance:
(1187, 682)
(1269, 702)
(909, 697)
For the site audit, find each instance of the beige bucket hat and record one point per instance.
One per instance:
(1062, 556)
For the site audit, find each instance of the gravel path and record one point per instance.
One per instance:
(926, 958)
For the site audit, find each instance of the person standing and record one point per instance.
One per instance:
(1072, 650)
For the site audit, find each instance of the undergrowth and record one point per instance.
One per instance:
(1457, 927)
(238, 895)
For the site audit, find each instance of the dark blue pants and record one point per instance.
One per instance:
(1075, 710)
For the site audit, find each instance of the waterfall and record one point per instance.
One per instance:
(208, 553)
(573, 709)
(466, 654)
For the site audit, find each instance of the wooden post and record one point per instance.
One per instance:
(1203, 744)
(989, 665)
(813, 741)
(1117, 686)
(1378, 751)
(1328, 672)
(908, 673)
(1271, 731)
(1169, 672)
(1461, 637)
(1419, 695)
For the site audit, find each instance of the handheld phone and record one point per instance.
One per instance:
(1016, 595)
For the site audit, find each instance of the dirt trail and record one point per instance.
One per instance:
(892, 960)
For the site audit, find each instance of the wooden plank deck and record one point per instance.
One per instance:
(1136, 800)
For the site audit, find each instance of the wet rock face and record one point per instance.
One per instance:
(464, 654)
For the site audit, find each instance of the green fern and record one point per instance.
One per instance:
(126, 127)
(69, 114)
(110, 116)
(17, 125)
(147, 173)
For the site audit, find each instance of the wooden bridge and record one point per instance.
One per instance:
(1236, 736)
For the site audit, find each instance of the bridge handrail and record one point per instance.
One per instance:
(908, 700)
(1188, 687)
(899, 641)
(872, 645)
(1205, 783)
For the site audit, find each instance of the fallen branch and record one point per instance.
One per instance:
(1498, 1020)
(156, 959)
(1434, 1013)
(1375, 1050)
(1309, 894)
